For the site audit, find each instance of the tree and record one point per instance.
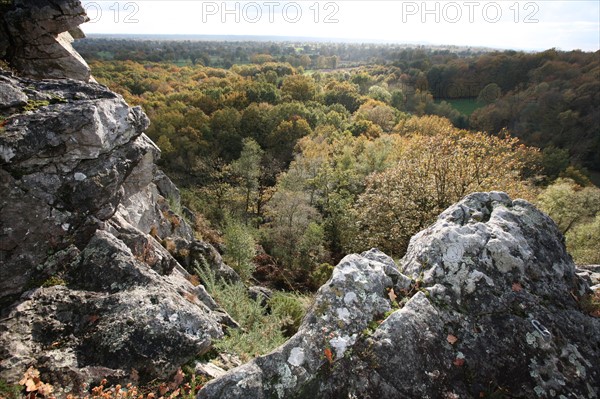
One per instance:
(489, 94)
(343, 93)
(247, 169)
(283, 139)
(583, 242)
(433, 172)
(569, 204)
(240, 248)
(293, 234)
(379, 113)
(299, 87)
(380, 94)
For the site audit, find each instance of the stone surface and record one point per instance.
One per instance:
(87, 290)
(35, 38)
(491, 310)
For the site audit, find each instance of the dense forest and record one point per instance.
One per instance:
(291, 155)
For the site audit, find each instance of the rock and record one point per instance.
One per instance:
(260, 294)
(10, 94)
(209, 370)
(492, 310)
(87, 291)
(590, 272)
(37, 42)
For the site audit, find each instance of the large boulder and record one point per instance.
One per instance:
(36, 37)
(485, 303)
(87, 290)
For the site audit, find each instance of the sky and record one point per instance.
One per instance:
(503, 24)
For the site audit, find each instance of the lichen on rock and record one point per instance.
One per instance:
(492, 308)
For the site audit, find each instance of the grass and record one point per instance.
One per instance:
(465, 106)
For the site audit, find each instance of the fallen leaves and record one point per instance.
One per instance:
(33, 385)
(451, 339)
(329, 355)
(517, 287)
(392, 295)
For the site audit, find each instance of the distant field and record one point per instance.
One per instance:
(463, 105)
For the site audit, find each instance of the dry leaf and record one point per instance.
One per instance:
(162, 389)
(30, 385)
(458, 362)
(177, 379)
(516, 287)
(329, 355)
(45, 389)
(134, 375)
(451, 339)
(392, 295)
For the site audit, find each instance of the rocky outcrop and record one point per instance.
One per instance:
(86, 288)
(36, 37)
(485, 303)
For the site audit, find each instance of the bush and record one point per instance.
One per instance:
(240, 248)
(583, 242)
(289, 309)
(261, 331)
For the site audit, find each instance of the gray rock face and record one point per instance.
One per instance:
(488, 306)
(35, 38)
(87, 291)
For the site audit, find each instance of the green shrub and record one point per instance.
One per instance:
(583, 242)
(289, 309)
(260, 331)
(240, 248)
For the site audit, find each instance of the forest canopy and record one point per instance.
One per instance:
(298, 161)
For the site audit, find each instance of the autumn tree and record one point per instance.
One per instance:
(299, 87)
(432, 173)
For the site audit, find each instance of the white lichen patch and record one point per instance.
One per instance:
(350, 298)
(296, 357)
(287, 380)
(343, 314)
(474, 277)
(79, 176)
(7, 153)
(531, 340)
(340, 344)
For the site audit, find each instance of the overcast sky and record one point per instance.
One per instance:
(529, 25)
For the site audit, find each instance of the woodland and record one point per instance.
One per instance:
(290, 155)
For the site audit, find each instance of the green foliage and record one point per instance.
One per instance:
(9, 391)
(321, 274)
(554, 161)
(302, 156)
(240, 248)
(583, 242)
(261, 331)
(289, 309)
(54, 280)
(32, 105)
(576, 211)
(569, 204)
